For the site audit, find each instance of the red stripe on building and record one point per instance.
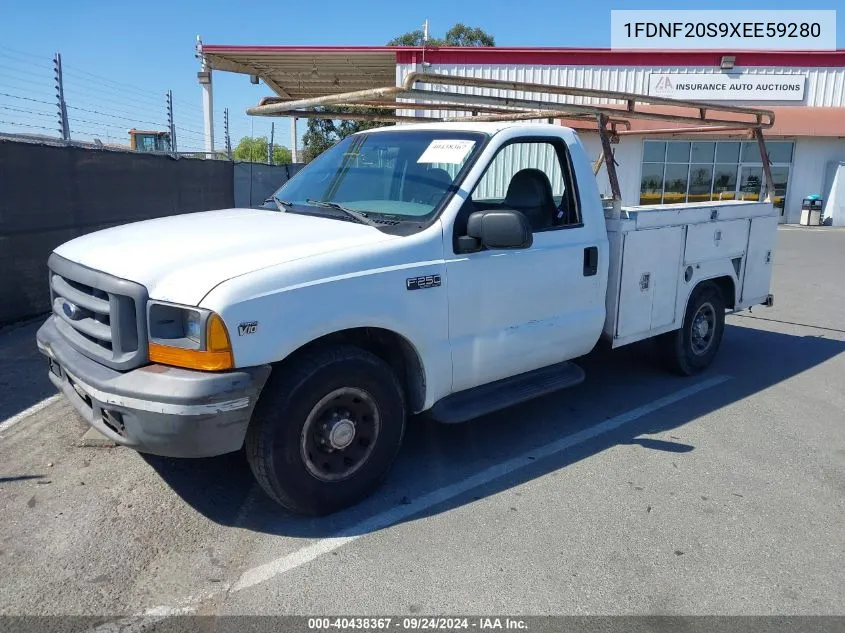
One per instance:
(563, 56)
(608, 57)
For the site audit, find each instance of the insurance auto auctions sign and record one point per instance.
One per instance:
(727, 87)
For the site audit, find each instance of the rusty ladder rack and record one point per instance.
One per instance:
(381, 104)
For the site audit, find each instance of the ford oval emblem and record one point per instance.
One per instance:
(71, 310)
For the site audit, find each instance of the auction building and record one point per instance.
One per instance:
(657, 163)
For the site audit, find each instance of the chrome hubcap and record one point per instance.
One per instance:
(342, 433)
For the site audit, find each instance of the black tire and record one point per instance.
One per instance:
(687, 351)
(298, 468)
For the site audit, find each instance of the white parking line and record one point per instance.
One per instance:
(20, 417)
(267, 571)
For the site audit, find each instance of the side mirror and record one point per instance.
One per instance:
(499, 229)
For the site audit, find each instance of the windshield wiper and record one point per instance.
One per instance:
(352, 213)
(282, 204)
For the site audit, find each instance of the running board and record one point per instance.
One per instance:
(478, 401)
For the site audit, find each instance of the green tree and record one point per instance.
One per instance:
(462, 35)
(414, 38)
(282, 155)
(321, 134)
(459, 35)
(254, 150)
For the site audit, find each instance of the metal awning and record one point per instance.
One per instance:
(294, 73)
(308, 81)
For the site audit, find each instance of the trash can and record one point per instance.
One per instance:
(811, 210)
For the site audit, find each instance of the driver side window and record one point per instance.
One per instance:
(531, 177)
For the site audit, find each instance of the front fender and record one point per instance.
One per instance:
(268, 328)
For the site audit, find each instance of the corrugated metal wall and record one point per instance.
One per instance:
(494, 183)
(511, 159)
(825, 86)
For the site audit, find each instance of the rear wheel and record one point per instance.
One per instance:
(326, 430)
(691, 349)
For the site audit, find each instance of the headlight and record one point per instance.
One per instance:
(188, 337)
(191, 325)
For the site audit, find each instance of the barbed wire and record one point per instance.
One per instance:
(72, 96)
(121, 106)
(11, 53)
(123, 85)
(113, 116)
(18, 124)
(24, 80)
(25, 72)
(6, 94)
(130, 101)
(100, 106)
(137, 95)
(25, 111)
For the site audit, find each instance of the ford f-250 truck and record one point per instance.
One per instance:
(448, 268)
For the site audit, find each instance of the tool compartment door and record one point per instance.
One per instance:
(716, 240)
(651, 264)
(758, 265)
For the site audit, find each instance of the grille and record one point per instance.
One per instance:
(100, 315)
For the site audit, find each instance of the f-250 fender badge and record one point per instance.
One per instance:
(247, 328)
(425, 281)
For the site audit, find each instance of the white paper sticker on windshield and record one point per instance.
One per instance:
(446, 151)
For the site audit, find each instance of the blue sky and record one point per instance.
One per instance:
(149, 47)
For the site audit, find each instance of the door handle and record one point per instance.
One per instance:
(591, 261)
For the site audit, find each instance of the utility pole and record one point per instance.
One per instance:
(226, 133)
(270, 145)
(64, 126)
(294, 154)
(170, 124)
(204, 79)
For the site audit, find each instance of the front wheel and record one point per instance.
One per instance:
(691, 349)
(326, 430)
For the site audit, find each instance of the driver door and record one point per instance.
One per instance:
(512, 311)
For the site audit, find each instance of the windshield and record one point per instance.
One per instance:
(402, 174)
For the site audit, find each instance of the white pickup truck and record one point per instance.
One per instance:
(448, 268)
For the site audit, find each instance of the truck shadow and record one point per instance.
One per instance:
(435, 456)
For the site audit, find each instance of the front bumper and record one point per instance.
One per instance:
(156, 409)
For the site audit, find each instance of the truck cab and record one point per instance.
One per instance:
(149, 141)
(450, 269)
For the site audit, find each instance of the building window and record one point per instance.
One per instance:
(651, 183)
(700, 171)
(724, 181)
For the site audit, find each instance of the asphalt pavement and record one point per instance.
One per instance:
(637, 492)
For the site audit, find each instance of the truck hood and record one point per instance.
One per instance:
(181, 258)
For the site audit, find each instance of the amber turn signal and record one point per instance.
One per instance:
(216, 356)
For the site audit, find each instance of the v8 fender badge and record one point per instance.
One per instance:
(426, 281)
(248, 327)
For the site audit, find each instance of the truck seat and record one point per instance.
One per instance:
(530, 192)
